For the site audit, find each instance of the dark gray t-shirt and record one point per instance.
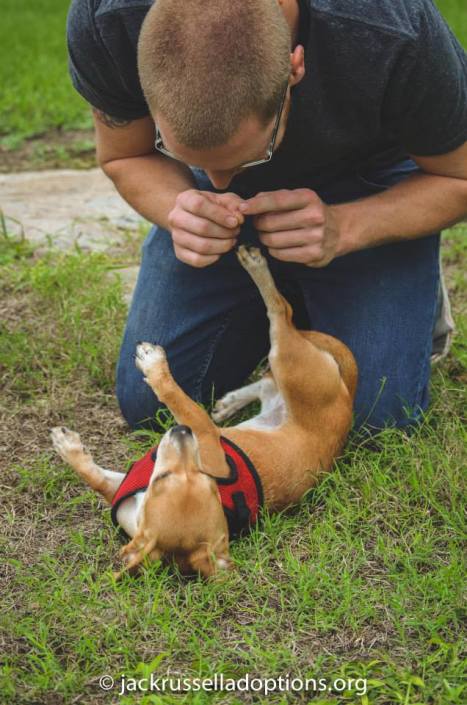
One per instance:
(384, 78)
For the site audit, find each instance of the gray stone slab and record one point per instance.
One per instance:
(67, 208)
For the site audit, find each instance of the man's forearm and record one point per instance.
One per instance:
(150, 184)
(418, 206)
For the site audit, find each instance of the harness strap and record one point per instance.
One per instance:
(241, 493)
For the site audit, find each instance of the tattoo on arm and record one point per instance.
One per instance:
(109, 120)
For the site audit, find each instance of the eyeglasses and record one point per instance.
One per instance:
(159, 144)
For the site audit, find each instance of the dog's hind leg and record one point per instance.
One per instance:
(232, 402)
(70, 448)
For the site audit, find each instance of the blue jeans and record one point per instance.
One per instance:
(382, 302)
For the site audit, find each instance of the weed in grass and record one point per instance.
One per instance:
(12, 248)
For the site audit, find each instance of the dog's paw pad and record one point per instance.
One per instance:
(148, 355)
(250, 257)
(66, 442)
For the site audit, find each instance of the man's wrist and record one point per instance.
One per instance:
(367, 222)
(349, 227)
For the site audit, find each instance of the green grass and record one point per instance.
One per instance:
(456, 14)
(58, 316)
(362, 580)
(36, 91)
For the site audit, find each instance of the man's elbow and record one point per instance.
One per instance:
(110, 167)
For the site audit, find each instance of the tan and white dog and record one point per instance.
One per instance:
(306, 413)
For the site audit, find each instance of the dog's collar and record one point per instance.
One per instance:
(241, 493)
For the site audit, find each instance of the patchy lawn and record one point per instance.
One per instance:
(55, 149)
(362, 580)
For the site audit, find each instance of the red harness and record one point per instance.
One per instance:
(241, 493)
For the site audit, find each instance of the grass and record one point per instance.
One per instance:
(36, 91)
(362, 580)
(456, 14)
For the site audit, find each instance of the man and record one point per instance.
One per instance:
(332, 132)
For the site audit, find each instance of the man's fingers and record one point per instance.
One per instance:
(184, 220)
(194, 259)
(197, 203)
(204, 226)
(230, 201)
(202, 245)
(282, 200)
(291, 238)
(310, 217)
(311, 256)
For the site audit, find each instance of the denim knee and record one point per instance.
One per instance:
(391, 412)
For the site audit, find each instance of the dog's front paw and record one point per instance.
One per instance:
(250, 257)
(67, 443)
(149, 357)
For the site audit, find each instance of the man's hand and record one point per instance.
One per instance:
(295, 226)
(204, 226)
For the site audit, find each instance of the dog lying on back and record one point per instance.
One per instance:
(204, 483)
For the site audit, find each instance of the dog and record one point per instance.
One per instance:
(204, 484)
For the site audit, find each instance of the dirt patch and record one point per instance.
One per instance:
(55, 149)
(25, 428)
(28, 412)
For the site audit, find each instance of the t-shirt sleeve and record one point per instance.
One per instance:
(103, 65)
(427, 96)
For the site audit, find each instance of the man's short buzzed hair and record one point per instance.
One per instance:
(206, 65)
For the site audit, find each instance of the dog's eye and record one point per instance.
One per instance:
(162, 476)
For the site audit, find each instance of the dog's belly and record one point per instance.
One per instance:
(272, 414)
(128, 513)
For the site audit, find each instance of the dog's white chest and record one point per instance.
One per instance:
(129, 512)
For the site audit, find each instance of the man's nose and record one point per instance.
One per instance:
(221, 179)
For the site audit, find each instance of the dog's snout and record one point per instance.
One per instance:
(182, 430)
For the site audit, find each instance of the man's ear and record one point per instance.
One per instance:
(297, 65)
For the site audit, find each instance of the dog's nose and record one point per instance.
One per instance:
(182, 430)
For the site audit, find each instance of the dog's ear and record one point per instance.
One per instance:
(202, 561)
(223, 563)
(207, 563)
(135, 552)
